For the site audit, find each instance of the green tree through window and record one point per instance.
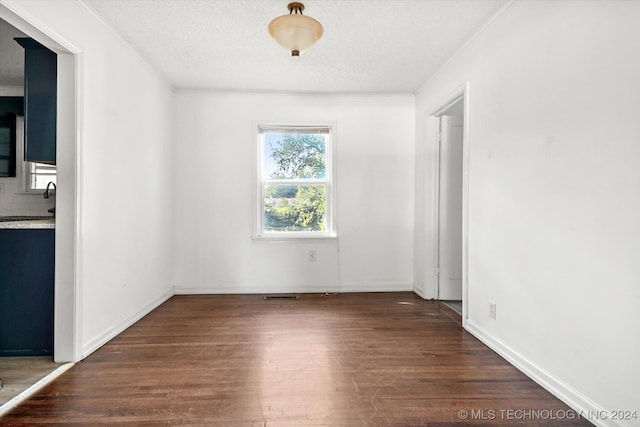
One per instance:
(295, 188)
(299, 156)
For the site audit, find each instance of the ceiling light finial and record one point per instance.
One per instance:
(295, 31)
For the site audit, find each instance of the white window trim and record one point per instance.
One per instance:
(330, 234)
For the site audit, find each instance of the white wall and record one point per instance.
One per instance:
(554, 200)
(214, 160)
(123, 172)
(19, 204)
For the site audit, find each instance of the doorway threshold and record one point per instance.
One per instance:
(23, 376)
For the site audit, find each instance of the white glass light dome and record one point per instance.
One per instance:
(295, 32)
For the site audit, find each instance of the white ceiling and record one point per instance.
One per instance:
(368, 46)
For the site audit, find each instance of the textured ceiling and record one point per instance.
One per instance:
(368, 46)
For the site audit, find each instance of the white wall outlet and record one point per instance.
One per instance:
(492, 310)
(312, 256)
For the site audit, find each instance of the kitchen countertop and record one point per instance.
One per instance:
(27, 222)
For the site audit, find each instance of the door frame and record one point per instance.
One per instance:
(68, 232)
(432, 137)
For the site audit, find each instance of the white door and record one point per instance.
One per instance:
(450, 209)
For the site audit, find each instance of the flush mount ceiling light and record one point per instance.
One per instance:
(295, 32)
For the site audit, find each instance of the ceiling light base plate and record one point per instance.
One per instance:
(296, 7)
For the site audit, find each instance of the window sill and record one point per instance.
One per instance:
(294, 239)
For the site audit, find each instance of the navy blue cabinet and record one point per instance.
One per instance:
(40, 101)
(10, 107)
(26, 291)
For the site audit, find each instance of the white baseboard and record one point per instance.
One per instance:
(294, 289)
(117, 329)
(420, 293)
(376, 287)
(582, 405)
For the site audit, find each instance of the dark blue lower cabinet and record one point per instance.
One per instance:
(27, 266)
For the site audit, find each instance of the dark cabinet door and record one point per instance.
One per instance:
(7, 145)
(10, 106)
(40, 98)
(26, 292)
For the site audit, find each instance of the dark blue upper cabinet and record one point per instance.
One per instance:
(7, 145)
(10, 106)
(40, 98)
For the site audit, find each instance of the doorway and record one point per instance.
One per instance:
(448, 134)
(449, 267)
(66, 345)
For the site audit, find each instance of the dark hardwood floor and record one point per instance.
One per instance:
(388, 359)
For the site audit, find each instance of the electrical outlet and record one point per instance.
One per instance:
(492, 310)
(312, 256)
(1, 188)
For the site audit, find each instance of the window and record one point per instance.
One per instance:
(295, 185)
(38, 175)
(33, 177)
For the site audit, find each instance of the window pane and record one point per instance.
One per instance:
(294, 208)
(294, 155)
(5, 141)
(43, 168)
(39, 182)
(41, 174)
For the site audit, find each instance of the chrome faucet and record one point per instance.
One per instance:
(46, 192)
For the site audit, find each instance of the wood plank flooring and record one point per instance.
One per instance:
(377, 359)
